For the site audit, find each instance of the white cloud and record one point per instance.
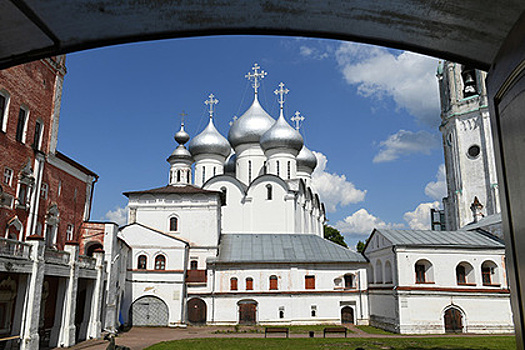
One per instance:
(313, 52)
(118, 216)
(419, 219)
(334, 189)
(404, 143)
(408, 78)
(362, 223)
(438, 189)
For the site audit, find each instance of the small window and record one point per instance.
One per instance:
(188, 177)
(273, 283)
(313, 310)
(214, 171)
(309, 282)
(249, 171)
(349, 281)
(488, 273)
(4, 104)
(278, 168)
(69, 232)
(281, 312)
(37, 138)
(178, 175)
(22, 194)
(289, 171)
(160, 262)
(249, 283)
(8, 176)
(420, 273)
(203, 174)
(44, 190)
(269, 192)
(233, 283)
(224, 193)
(174, 224)
(142, 262)
(194, 264)
(21, 126)
(461, 276)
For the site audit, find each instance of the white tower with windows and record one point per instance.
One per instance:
(468, 144)
(180, 160)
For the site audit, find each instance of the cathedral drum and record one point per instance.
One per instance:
(149, 311)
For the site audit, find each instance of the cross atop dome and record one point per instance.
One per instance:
(182, 115)
(281, 92)
(297, 119)
(256, 76)
(211, 102)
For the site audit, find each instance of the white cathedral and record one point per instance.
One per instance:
(239, 240)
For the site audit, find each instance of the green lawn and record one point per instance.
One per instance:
(373, 330)
(438, 343)
(296, 329)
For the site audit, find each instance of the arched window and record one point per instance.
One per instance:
(269, 192)
(278, 168)
(188, 177)
(233, 283)
(178, 175)
(194, 264)
(465, 274)
(224, 193)
(249, 283)
(160, 262)
(289, 170)
(142, 262)
(489, 273)
(349, 280)
(388, 272)
(273, 283)
(174, 224)
(424, 271)
(249, 171)
(203, 175)
(379, 272)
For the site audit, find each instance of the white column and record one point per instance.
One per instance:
(68, 329)
(94, 327)
(30, 338)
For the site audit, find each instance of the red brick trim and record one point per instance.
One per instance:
(442, 289)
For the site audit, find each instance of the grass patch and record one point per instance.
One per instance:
(374, 330)
(437, 343)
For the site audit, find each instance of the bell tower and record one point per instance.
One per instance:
(467, 144)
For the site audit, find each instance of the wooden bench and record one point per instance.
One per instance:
(334, 330)
(277, 330)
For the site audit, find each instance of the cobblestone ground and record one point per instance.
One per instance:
(141, 337)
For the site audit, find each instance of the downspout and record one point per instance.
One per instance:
(92, 189)
(360, 295)
(213, 295)
(183, 297)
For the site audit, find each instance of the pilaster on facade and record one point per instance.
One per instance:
(94, 327)
(68, 329)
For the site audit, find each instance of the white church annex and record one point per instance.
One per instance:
(240, 240)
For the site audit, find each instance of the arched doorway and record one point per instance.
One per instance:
(90, 249)
(149, 311)
(247, 312)
(453, 321)
(347, 315)
(196, 311)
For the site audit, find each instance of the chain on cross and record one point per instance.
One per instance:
(256, 76)
(297, 119)
(211, 102)
(281, 92)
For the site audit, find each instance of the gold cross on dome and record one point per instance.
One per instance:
(182, 115)
(281, 92)
(297, 118)
(256, 76)
(211, 102)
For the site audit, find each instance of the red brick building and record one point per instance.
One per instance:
(43, 192)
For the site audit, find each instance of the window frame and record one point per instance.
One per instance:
(69, 232)
(269, 192)
(274, 282)
(249, 283)
(44, 190)
(4, 115)
(170, 224)
(234, 283)
(309, 282)
(23, 132)
(420, 271)
(142, 265)
(10, 176)
(160, 262)
(37, 143)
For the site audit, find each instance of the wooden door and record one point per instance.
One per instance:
(247, 313)
(347, 315)
(453, 321)
(196, 311)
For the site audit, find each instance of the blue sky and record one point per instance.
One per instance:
(371, 113)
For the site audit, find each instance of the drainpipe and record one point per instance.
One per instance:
(213, 295)
(183, 297)
(360, 295)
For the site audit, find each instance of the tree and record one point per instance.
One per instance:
(333, 234)
(360, 246)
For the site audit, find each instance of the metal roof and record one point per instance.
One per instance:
(174, 189)
(458, 239)
(468, 31)
(283, 248)
(484, 222)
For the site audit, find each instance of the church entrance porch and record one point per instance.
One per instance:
(247, 312)
(149, 311)
(453, 321)
(347, 315)
(196, 311)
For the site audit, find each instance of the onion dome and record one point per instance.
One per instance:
(306, 158)
(210, 141)
(230, 164)
(180, 153)
(251, 125)
(282, 135)
(182, 136)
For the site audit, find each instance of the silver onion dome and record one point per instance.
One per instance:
(282, 135)
(182, 136)
(180, 153)
(251, 125)
(210, 141)
(230, 164)
(306, 158)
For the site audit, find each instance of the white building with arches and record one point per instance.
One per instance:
(438, 281)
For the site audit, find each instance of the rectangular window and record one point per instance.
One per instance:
(69, 232)
(21, 126)
(420, 273)
(233, 283)
(309, 282)
(38, 135)
(22, 194)
(273, 283)
(8, 176)
(486, 275)
(3, 111)
(313, 310)
(44, 190)
(249, 284)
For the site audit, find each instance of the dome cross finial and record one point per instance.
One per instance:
(297, 119)
(256, 76)
(281, 92)
(211, 102)
(182, 115)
